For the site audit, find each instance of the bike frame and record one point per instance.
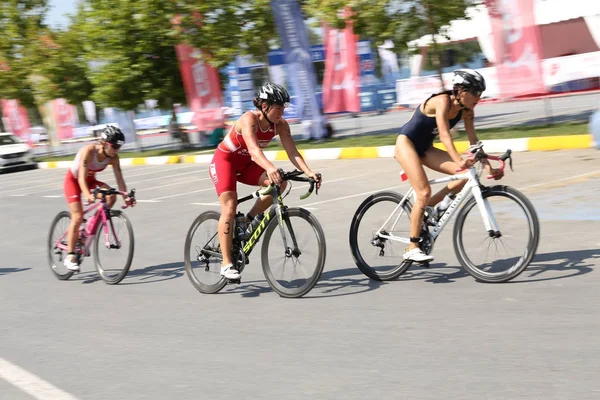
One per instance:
(472, 186)
(100, 217)
(276, 210)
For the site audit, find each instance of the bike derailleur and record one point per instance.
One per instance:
(378, 241)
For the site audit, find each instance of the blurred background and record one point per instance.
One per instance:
(177, 74)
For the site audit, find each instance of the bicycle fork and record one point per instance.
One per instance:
(489, 221)
(289, 252)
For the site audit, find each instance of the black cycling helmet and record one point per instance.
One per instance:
(113, 135)
(274, 94)
(470, 80)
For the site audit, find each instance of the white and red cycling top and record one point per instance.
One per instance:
(93, 167)
(234, 142)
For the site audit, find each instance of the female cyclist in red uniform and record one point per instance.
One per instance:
(414, 147)
(239, 157)
(81, 178)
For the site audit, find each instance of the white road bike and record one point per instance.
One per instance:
(496, 232)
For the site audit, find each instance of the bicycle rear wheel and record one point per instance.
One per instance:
(513, 247)
(115, 262)
(378, 257)
(57, 242)
(293, 262)
(202, 254)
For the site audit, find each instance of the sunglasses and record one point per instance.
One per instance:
(476, 93)
(114, 146)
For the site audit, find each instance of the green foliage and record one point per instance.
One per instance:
(225, 29)
(377, 20)
(20, 24)
(463, 54)
(431, 17)
(60, 70)
(129, 51)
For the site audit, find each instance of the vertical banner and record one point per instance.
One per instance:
(340, 82)
(202, 88)
(16, 119)
(234, 91)
(516, 46)
(64, 115)
(291, 28)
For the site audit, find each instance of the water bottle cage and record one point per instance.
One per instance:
(254, 223)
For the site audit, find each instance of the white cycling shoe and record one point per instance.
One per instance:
(417, 255)
(71, 264)
(229, 272)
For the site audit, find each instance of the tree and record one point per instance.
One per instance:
(224, 29)
(20, 24)
(377, 20)
(400, 21)
(129, 46)
(430, 17)
(61, 70)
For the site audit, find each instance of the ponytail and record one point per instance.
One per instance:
(257, 103)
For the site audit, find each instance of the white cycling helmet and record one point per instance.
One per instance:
(469, 79)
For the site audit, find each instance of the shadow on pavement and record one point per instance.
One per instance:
(544, 267)
(154, 273)
(329, 285)
(436, 273)
(151, 274)
(6, 271)
(560, 265)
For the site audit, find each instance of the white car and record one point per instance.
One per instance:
(14, 153)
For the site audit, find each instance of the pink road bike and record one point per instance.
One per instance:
(113, 226)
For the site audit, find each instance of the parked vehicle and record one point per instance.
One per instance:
(14, 153)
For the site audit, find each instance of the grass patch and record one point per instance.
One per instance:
(572, 128)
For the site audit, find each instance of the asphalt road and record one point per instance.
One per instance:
(433, 334)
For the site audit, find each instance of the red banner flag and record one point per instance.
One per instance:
(340, 81)
(516, 46)
(64, 115)
(202, 88)
(17, 120)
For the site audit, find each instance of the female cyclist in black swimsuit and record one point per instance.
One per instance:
(414, 147)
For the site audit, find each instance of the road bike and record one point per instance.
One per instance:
(300, 245)
(497, 219)
(103, 221)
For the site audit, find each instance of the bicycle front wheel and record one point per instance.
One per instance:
(293, 261)
(497, 257)
(113, 250)
(202, 254)
(378, 221)
(57, 245)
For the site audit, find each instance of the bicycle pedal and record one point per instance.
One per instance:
(425, 264)
(234, 281)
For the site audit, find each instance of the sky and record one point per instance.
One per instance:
(58, 8)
